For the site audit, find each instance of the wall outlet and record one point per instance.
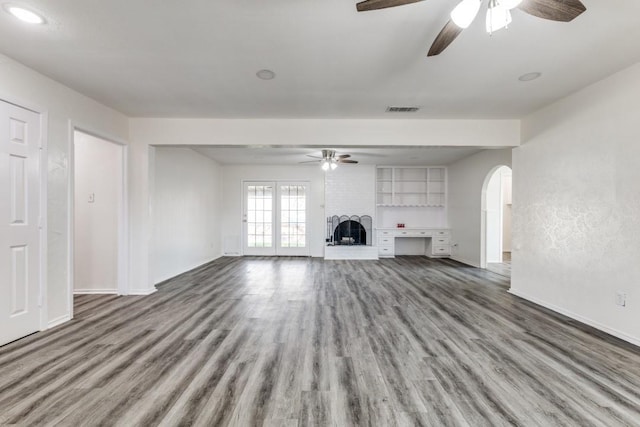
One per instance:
(621, 299)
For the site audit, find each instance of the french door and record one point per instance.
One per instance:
(275, 218)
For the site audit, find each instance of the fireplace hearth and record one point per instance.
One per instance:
(351, 230)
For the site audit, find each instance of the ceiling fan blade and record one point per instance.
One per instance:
(313, 157)
(381, 4)
(343, 156)
(444, 39)
(555, 10)
(346, 161)
(310, 161)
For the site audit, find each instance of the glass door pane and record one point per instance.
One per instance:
(292, 219)
(259, 233)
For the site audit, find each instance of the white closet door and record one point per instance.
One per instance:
(19, 228)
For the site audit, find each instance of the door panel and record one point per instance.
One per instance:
(259, 218)
(19, 230)
(275, 218)
(292, 212)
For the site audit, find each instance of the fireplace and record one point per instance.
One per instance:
(349, 230)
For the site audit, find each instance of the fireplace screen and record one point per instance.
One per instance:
(349, 230)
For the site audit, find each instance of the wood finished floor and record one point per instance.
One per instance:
(298, 341)
(502, 268)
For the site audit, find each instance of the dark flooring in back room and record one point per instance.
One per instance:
(303, 341)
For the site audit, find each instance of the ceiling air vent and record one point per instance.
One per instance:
(402, 109)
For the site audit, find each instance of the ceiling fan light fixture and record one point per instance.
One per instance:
(25, 15)
(498, 16)
(465, 12)
(334, 164)
(325, 165)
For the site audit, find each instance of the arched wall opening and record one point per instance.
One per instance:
(496, 217)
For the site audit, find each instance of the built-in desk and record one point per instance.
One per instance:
(438, 240)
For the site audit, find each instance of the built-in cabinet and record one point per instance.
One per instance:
(415, 196)
(405, 186)
(438, 243)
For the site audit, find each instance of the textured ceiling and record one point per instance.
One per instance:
(199, 58)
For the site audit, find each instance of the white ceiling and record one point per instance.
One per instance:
(198, 58)
(397, 156)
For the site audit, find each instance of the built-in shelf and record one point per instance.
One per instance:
(412, 186)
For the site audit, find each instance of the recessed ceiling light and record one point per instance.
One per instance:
(529, 76)
(266, 75)
(24, 15)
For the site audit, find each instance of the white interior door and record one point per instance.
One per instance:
(275, 218)
(19, 228)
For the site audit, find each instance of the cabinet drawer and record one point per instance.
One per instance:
(385, 233)
(385, 241)
(440, 241)
(441, 250)
(385, 250)
(413, 233)
(441, 233)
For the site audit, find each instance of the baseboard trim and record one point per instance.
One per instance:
(464, 261)
(614, 332)
(147, 291)
(95, 291)
(58, 321)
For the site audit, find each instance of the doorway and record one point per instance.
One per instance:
(98, 225)
(275, 218)
(497, 202)
(22, 224)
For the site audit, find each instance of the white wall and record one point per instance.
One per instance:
(322, 132)
(351, 190)
(23, 86)
(493, 215)
(232, 195)
(466, 179)
(576, 206)
(506, 209)
(98, 203)
(186, 217)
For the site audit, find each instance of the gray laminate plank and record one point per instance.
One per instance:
(408, 341)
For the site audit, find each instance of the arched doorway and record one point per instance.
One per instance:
(496, 221)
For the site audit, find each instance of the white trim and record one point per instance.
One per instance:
(44, 250)
(464, 261)
(123, 211)
(58, 321)
(147, 291)
(95, 291)
(70, 217)
(618, 334)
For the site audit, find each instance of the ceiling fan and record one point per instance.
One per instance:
(498, 15)
(330, 160)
